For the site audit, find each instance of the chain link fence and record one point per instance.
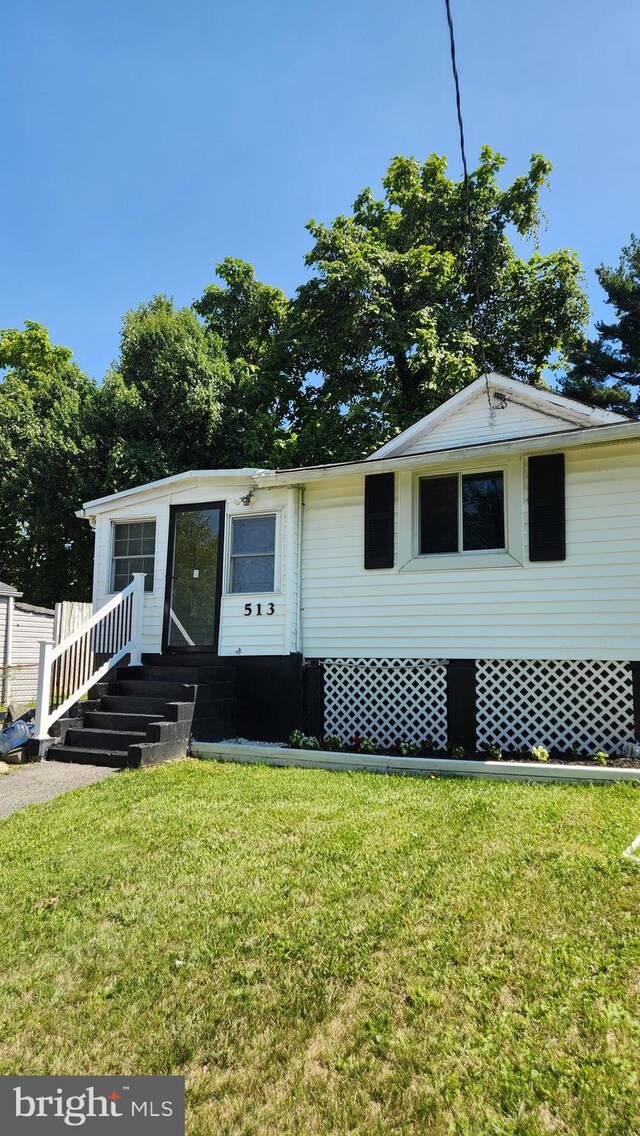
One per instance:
(19, 683)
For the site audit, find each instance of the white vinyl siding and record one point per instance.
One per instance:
(585, 607)
(476, 422)
(29, 629)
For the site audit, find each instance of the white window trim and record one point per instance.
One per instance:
(277, 553)
(112, 540)
(411, 559)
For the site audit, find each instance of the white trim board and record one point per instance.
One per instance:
(409, 766)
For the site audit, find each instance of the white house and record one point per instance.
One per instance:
(477, 579)
(22, 628)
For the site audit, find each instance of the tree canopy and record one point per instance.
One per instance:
(159, 409)
(46, 465)
(250, 320)
(399, 310)
(606, 371)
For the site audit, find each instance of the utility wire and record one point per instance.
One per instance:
(467, 190)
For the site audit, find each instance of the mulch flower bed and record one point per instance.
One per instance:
(364, 746)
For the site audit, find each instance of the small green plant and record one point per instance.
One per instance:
(539, 753)
(410, 749)
(298, 740)
(333, 743)
(362, 745)
(492, 752)
(601, 758)
(455, 751)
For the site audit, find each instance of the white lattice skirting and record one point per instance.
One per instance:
(386, 699)
(586, 704)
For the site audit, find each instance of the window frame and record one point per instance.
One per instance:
(511, 556)
(276, 590)
(460, 476)
(112, 556)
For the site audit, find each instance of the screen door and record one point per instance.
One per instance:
(194, 566)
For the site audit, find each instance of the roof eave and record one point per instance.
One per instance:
(556, 440)
(89, 508)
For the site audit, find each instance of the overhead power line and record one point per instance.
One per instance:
(467, 190)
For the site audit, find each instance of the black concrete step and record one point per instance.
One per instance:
(174, 691)
(108, 720)
(187, 659)
(151, 673)
(86, 756)
(130, 704)
(107, 740)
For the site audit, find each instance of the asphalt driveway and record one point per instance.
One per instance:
(42, 780)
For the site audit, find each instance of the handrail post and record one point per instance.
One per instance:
(44, 691)
(136, 619)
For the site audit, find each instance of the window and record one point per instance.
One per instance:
(134, 547)
(253, 547)
(462, 513)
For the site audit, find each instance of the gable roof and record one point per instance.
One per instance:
(542, 410)
(33, 608)
(547, 419)
(175, 479)
(7, 590)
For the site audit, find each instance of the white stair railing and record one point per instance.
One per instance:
(68, 671)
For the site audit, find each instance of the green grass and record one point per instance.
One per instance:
(332, 953)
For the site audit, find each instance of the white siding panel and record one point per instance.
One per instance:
(29, 629)
(585, 607)
(476, 422)
(4, 603)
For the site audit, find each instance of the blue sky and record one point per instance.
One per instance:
(144, 140)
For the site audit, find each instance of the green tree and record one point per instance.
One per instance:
(251, 320)
(159, 409)
(396, 317)
(606, 371)
(46, 467)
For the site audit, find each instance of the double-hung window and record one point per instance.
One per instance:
(462, 512)
(253, 554)
(134, 548)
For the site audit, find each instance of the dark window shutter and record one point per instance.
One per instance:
(547, 537)
(379, 491)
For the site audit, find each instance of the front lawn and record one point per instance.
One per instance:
(323, 953)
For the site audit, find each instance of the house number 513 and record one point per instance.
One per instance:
(248, 609)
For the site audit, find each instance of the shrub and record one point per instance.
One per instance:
(408, 749)
(491, 752)
(601, 758)
(298, 740)
(456, 751)
(539, 753)
(333, 743)
(363, 745)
